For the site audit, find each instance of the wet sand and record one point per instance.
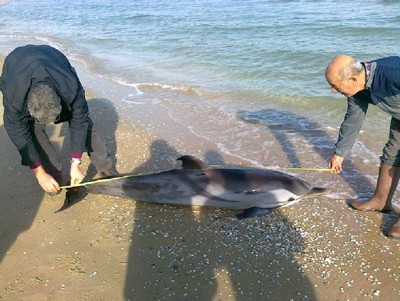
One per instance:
(107, 248)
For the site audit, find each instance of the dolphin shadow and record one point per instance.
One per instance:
(281, 123)
(179, 253)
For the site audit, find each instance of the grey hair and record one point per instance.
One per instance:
(44, 104)
(354, 68)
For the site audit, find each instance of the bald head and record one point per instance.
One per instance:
(338, 65)
(345, 75)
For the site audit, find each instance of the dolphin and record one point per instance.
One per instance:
(256, 191)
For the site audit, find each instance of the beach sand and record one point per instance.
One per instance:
(107, 248)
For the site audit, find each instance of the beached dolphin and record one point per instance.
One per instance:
(258, 191)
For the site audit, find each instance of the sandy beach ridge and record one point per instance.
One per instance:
(106, 248)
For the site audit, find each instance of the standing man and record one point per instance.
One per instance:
(40, 86)
(375, 82)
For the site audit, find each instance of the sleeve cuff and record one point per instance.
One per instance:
(35, 165)
(340, 153)
(76, 155)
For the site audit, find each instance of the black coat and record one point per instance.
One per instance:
(26, 67)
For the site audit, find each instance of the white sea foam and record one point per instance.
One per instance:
(186, 89)
(132, 102)
(135, 86)
(47, 40)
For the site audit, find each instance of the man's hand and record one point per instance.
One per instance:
(76, 174)
(45, 180)
(335, 164)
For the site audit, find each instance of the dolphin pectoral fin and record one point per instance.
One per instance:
(253, 212)
(315, 191)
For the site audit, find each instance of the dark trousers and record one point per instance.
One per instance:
(50, 158)
(391, 151)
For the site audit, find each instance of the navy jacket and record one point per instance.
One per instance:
(382, 90)
(30, 65)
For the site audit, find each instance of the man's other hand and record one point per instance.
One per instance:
(335, 164)
(46, 181)
(76, 174)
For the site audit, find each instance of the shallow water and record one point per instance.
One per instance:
(246, 76)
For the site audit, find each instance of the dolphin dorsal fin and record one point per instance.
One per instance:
(190, 162)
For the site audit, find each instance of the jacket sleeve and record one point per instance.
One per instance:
(16, 117)
(79, 123)
(351, 125)
(17, 128)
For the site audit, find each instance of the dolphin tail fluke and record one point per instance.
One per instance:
(316, 191)
(253, 212)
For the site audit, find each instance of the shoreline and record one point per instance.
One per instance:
(117, 249)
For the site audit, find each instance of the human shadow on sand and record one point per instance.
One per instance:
(21, 195)
(184, 253)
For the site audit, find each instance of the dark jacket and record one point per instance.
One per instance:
(382, 90)
(26, 67)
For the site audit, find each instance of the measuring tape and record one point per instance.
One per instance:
(215, 166)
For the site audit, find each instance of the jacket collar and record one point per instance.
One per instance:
(369, 73)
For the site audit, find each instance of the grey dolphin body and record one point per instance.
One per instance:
(256, 190)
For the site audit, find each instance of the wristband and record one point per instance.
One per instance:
(76, 161)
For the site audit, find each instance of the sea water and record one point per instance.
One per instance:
(245, 75)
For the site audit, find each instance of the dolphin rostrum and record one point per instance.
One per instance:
(257, 191)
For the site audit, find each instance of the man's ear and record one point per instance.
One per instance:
(354, 81)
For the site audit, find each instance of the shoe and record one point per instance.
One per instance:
(110, 172)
